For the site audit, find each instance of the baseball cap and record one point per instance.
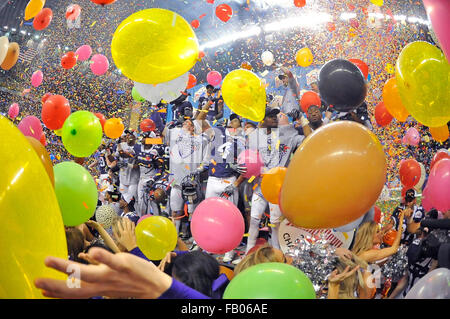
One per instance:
(272, 111)
(410, 195)
(234, 116)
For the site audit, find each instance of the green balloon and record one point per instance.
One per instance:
(82, 133)
(136, 96)
(76, 192)
(270, 281)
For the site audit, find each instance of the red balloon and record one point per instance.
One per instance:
(43, 140)
(195, 23)
(103, 2)
(69, 60)
(437, 157)
(147, 125)
(382, 116)
(299, 3)
(101, 117)
(362, 66)
(224, 12)
(409, 173)
(55, 111)
(191, 82)
(309, 98)
(45, 97)
(43, 19)
(377, 215)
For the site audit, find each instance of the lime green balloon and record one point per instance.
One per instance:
(136, 96)
(76, 192)
(156, 236)
(423, 79)
(245, 94)
(270, 281)
(82, 133)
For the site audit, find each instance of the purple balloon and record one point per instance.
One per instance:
(13, 110)
(31, 126)
(83, 52)
(99, 64)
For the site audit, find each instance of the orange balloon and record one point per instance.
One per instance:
(43, 156)
(227, 271)
(11, 56)
(392, 101)
(389, 237)
(439, 134)
(271, 183)
(335, 176)
(113, 128)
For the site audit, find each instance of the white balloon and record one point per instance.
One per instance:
(267, 58)
(419, 185)
(4, 43)
(167, 91)
(106, 215)
(434, 285)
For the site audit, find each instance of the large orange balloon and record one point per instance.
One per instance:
(11, 56)
(335, 176)
(271, 183)
(392, 101)
(113, 128)
(439, 134)
(43, 156)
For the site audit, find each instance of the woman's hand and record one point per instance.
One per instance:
(94, 224)
(125, 234)
(336, 278)
(120, 275)
(342, 252)
(166, 260)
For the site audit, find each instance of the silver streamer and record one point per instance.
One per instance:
(395, 268)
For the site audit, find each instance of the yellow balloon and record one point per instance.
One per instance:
(423, 79)
(32, 227)
(33, 7)
(156, 236)
(304, 57)
(154, 46)
(245, 94)
(439, 134)
(377, 2)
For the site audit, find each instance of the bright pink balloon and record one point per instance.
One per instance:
(36, 78)
(438, 12)
(253, 161)
(83, 52)
(426, 203)
(143, 217)
(31, 126)
(99, 64)
(412, 136)
(13, 110)
(217, 225)
(214, 78)
(439, 185)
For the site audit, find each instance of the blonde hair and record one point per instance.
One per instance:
(364, 238)
(264, 254)
(349, 286)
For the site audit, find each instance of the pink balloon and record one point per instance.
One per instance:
(13, 110)
(143, 217)
(36, 78)
(253, 161)
(439, 185)
(426, 203)
(73, 11)
(83, 52)
(217, 225)
(31, 126)
(412, 136)
(438, 12)
(99, 64)
(214, 78)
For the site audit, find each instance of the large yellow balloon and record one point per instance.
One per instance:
(245, 94)
(156, 236)
(423, 79)
(154, 46)
(33, 7)
(335, 176)
(439, 134)
(393, 102)
(31, 225)
(304, 57)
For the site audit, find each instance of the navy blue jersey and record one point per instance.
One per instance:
(101, 165)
